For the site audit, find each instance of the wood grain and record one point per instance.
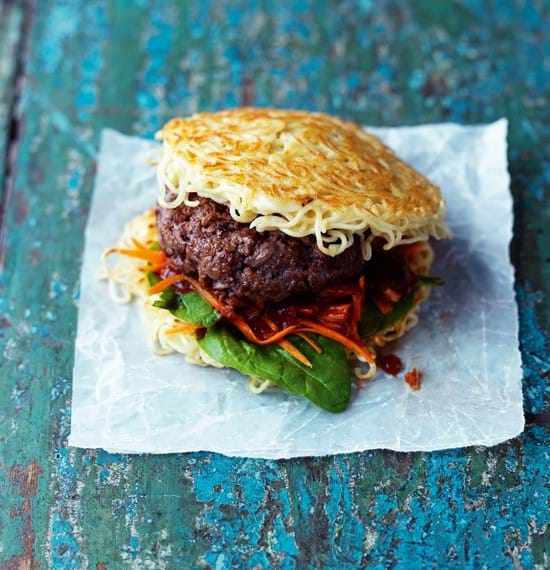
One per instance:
(131, 66)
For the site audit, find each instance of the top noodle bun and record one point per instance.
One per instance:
(301, 173)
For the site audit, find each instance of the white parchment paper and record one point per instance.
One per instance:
(466, 345)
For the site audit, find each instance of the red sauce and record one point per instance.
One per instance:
(333, 307)
(390, 364)
(412, 378)
(338, 307)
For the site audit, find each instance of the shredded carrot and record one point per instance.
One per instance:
(272, 339)
(288, 346)
(309, 326)
(293, 351)
(359, 301)
(155, 268)
(336, 313)
(186, 328)
(145, 254)
(139, 245)
(311, 342)
(301, 327)
(270, 323)
(161, 285)
(207, 295)
(241, 324)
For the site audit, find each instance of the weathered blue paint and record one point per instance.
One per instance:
(133, 65)
(251, 490)
(153, 88)
(536, 361)
(64, 545)
(106, 458)
(91, 61)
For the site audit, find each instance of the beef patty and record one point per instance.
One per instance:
(246, 266)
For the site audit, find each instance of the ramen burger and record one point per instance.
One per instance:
(287, 245)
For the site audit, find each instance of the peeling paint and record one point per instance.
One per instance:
(535, 354)
(92, 65)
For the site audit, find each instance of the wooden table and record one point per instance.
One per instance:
(69, 69)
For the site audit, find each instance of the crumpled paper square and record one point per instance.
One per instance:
(128, 400)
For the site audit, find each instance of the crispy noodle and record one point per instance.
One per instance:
(300, 173)
(257, 385)
(333, 235)
(126, 279)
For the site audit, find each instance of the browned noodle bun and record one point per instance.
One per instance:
(300, 173)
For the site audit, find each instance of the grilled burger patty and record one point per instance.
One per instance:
(246, 266)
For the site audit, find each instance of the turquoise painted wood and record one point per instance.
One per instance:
(131, 65)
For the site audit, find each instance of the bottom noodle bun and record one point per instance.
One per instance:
(130, 266)
(420, 263)
(127, 280)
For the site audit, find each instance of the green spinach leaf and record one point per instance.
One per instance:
(399, 310)
(168, 300)
(327, 383)
(192, 308)
(374, 320)
(371, 319)
(152, 278)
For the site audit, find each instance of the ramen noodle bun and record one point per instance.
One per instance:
(300, 173)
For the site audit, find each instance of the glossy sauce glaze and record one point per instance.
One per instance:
(390, 363)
